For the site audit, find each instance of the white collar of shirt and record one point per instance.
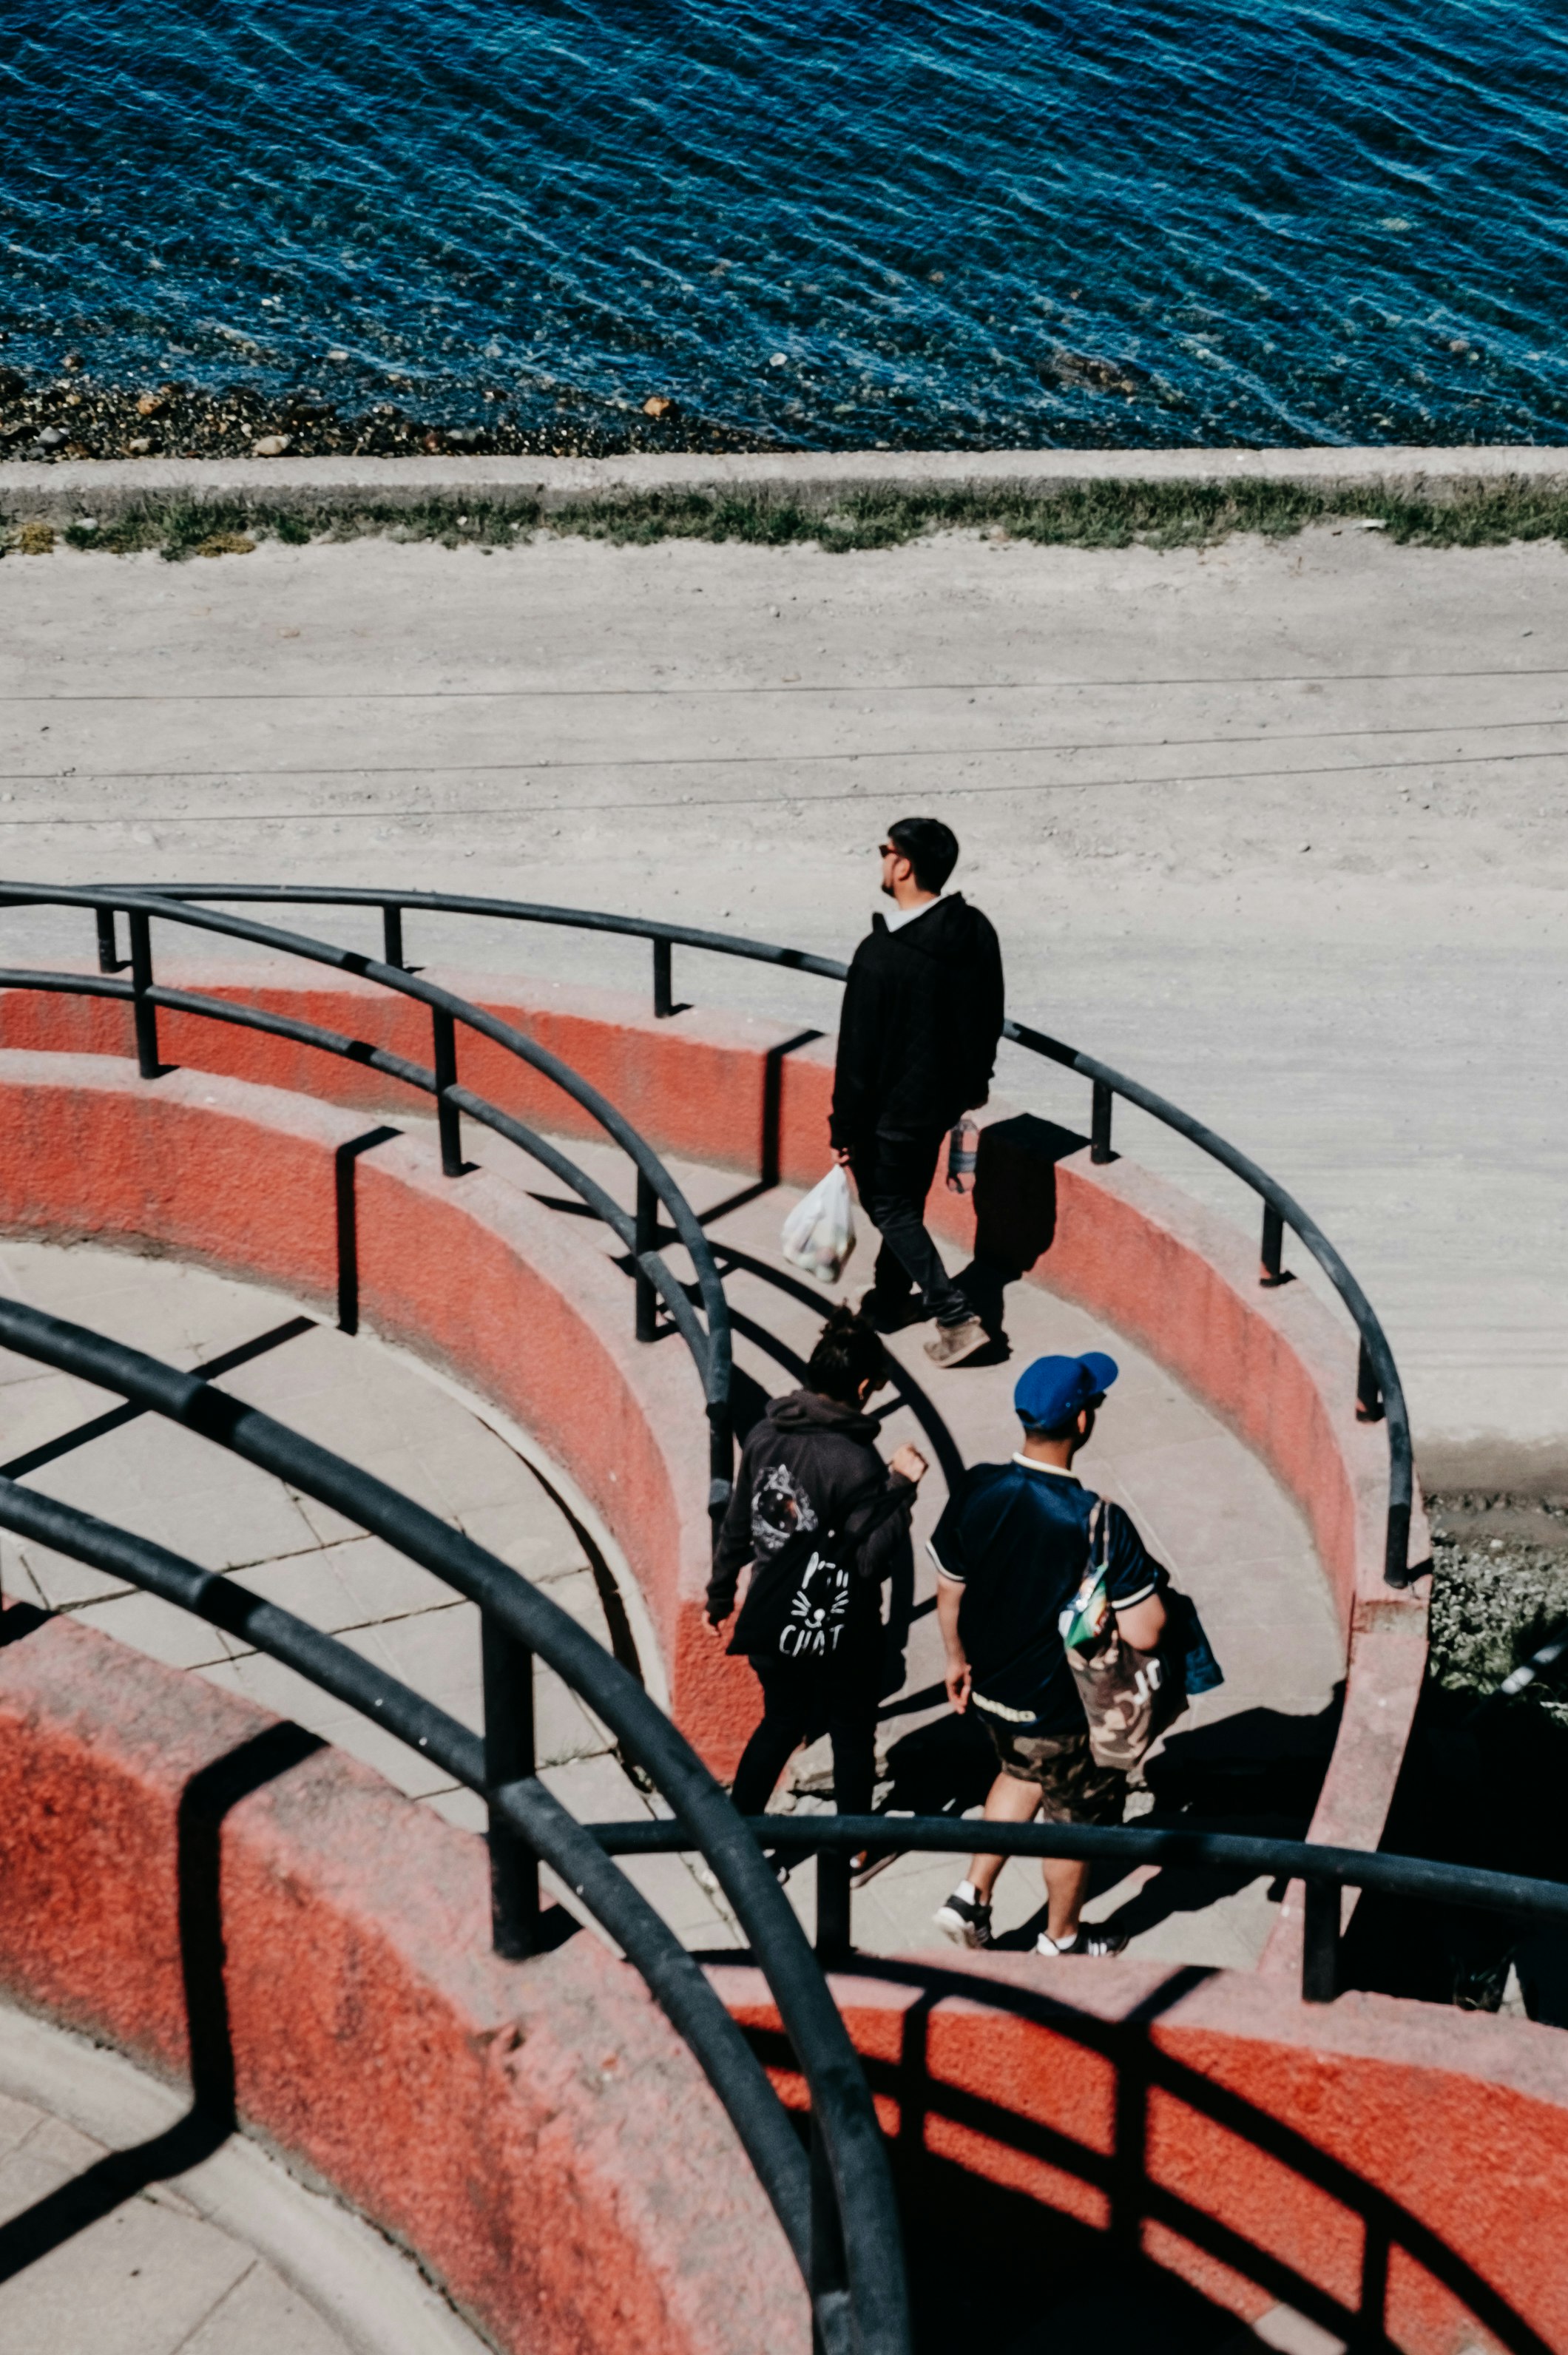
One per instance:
(1057, 1471)
(902, 916)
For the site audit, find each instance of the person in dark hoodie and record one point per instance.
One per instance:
(917, 1045)
(812, 1458)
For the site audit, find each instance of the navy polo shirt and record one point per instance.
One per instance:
(1016, 1538)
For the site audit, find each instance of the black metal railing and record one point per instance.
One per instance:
(835, 2199)
(836, 1841)
(1380, 1395)
(709, 1344)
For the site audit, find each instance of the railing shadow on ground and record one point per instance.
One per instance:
(1120, 2179)
(1258, 1771)
(87, 2199)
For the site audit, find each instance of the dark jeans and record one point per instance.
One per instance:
(894, 1175)
(796, 1702)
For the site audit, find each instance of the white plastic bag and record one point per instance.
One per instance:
(819, 1233)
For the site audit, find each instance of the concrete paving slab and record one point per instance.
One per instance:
(262, 2316)
(160, 1629)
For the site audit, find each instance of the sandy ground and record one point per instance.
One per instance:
(1278, 827)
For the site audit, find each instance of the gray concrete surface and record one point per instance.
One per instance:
(1277, 827)
(234, 2256)
(104, 486)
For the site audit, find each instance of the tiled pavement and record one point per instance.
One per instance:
(229, 2256)
(1205, 1505)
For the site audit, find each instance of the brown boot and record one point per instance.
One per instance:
(951, 1344)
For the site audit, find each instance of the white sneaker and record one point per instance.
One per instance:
(1086, 1940)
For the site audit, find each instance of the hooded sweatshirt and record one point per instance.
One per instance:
(922, 1013)
(799, 1467)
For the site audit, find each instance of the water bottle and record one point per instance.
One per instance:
(963, 1152)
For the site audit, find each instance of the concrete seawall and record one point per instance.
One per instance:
(105, 487)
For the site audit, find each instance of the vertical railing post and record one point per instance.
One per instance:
(1272, 1248)
(392, 937)
(108, 947)
(508, 1678)
(833, 1939)
(448, 1121)
(1100, 1124)
(145, 1012)
(1369, 1389)
(829, 2272)
(647, 1233)
(664, 985)
(1320, 1943)
(721, 1462)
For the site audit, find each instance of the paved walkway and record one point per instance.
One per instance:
(1277, 826)
(103, 2254)
(1205, 1505)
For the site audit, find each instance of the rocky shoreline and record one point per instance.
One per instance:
(75, 416)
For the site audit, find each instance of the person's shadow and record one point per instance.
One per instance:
(1260, 1771)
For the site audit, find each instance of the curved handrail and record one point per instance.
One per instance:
(841, 2103)
(712, 1352)
(1409, 1877)
(1380, 1392)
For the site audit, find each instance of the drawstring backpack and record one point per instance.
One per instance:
(1130, 1697)
(797, 1604)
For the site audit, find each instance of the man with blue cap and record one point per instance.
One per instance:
(1011, 1551)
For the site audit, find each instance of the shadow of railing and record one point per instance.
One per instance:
(1122, 2177)
(87, 2199)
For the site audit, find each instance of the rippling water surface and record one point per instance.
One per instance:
(1237, 222)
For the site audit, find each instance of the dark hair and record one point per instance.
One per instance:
(848, 1354)
(1069, 1428)
(931, 848)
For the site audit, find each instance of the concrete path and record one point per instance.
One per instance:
(232, 2256)
(1277, 826)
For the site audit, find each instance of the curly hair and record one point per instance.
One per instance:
(847, 1354)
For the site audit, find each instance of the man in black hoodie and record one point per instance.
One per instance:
(811, 1464)
(917, 1045)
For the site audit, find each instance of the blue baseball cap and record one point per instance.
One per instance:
(1053, 1389)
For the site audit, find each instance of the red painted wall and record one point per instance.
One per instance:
(524, 1306)
(1262, 2151)
(536, 2132)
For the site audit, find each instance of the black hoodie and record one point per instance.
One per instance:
(922, 1013)
(800, 1466)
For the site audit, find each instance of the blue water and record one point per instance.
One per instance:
(1205, 221)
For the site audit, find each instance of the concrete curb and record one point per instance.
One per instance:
(369, 2291)
(106, 488)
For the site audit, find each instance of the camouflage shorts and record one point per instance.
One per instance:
(1072, 1788)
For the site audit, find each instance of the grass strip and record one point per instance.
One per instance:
(1078, 515)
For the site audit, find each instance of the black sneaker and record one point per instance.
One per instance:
(1088, 1939)
(966, 1920)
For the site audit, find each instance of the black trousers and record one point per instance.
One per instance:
(894, 1175)
(798, 1702)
